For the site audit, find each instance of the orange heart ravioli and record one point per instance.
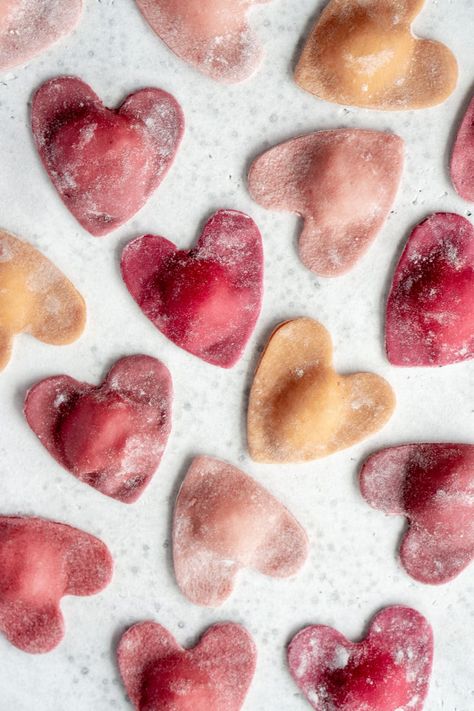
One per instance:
(35, 298)
(364, 54)
(300, 408)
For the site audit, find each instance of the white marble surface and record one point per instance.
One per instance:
(353, 570)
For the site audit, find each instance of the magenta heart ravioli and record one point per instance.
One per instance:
(40, 562)
(433, 486)
(430, 309)
(206, 299)
(112, 436)
(28, 27)
(104, 163)
(160, 675)
(388, 671)
(462, 160)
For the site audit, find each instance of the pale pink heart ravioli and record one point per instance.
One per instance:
(40, 562)
(104, 163)
(430, 309)
(28, 27)
(433, 486)
(159, 675)
(112, 436)
(342, 183)
(206, 299)
(214, 36)
(462, 160)
(388, 671)
(225, 521)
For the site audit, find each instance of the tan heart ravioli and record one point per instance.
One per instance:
(364, 54)
(300, 408)
(35, 298)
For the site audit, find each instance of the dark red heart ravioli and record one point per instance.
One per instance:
(159, 675)
(430, 310)
(206, 299)
(104, 163)
(433, 486)
(40, 562)
(112, 436)
(388, 671)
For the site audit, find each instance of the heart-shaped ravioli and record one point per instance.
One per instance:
(29, 27)
(342, 183)
(40, 562)
(300, 408)
(105, 163)
(111, 436)
(35, 298)
(462, 160)
(214, 36)
(159, 675)
(430, 314)
(388, 671)
(206, 299)
(433, 486)
(225, 521)
(364, 54)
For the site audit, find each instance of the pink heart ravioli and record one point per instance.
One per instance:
(342, 183)
(433, 486)
(159, 675)
(213, 36)
(112, 436)
(224, 521)
(40, 562)
(28, 28)
(462, 160)
(206, 299)
(388, 671)
(104, 163)
(430, 315)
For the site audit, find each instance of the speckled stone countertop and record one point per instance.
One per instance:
(352, 571)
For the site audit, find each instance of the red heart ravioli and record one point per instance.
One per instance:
(28, 28)
(104, 163)
(112, 436)
(40, 562)
(206, 299)
(160, 675)
(462, 160)
(342, 183)
(213, 36)
(388, 671)
(224, 521)
(430, 315)
(433, 486)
